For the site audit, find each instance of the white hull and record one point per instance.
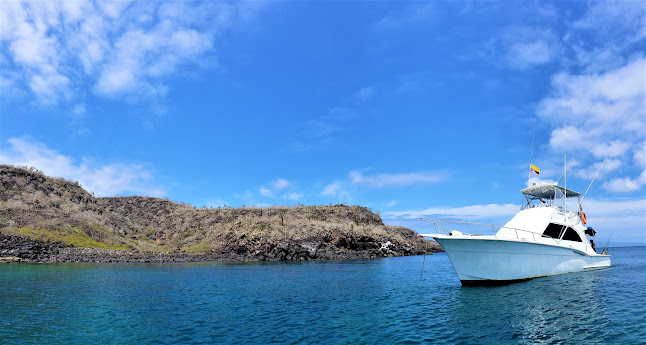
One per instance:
(487, 259)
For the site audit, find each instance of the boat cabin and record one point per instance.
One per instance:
(546, 214)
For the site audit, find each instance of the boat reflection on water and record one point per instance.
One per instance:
(557, 309)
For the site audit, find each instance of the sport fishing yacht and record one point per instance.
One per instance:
(544, 238)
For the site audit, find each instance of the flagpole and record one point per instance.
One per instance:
(529, 172)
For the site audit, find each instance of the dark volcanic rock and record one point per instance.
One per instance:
(35, 207)
(29, 250)
(26, 248)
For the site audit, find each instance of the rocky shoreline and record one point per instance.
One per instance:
(22, 249)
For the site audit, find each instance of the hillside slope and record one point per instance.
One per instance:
(51, 219)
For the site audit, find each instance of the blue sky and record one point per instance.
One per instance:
(410, 108)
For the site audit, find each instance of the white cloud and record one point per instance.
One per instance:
(364, 94)
(525, 54)
(523, 47)
(58, 51)
(599, 104)
(614, 21)
(625, 219)
(102, 180)
(274, 187)
(332, 189)
(78, 110)
(607, 36)
(49, 88)
(472, 211)
(294, 196)
(639, 155)
(279, 188)
(341, 189)
(605, 117)
(337, 190)
(405, 179)
(626, 184)
(139, 58)
(588, 173)
(614, 148)
(266, 192)
(614, 208)
(280, 184)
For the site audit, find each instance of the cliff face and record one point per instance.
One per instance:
(59, 217)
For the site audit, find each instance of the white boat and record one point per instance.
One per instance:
(544, 238)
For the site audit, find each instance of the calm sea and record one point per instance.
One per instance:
(377, 301)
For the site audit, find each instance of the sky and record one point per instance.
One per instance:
(413, 109)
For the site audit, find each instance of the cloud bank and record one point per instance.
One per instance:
(102, 180)
(60, 51)
(605, 117)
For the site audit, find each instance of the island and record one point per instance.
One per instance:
(51, 219)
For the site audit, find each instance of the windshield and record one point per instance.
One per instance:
(559, 199)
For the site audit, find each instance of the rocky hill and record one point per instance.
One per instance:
(52, 219)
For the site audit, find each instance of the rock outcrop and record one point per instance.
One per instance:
(49, 219)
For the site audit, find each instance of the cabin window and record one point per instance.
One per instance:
(554, 231)
(571, 235)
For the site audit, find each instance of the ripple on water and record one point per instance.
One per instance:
(363, 301)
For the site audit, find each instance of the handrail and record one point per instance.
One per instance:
(493, 227)
(458, 221)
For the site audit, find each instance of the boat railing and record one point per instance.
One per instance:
(440, 225)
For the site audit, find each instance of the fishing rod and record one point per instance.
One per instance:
(605, 248)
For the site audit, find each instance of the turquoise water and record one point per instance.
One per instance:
(338, 302)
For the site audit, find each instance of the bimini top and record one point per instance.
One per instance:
(549, 191)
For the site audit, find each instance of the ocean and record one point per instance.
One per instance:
(373, 301)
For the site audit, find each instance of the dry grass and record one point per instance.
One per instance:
(54, 209)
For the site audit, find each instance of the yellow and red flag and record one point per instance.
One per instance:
(534, 168)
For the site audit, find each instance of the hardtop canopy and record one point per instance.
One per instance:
(549, 191)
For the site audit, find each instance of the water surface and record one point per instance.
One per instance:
(332, 302)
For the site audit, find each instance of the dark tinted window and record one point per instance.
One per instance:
(554, 230)
(571, 235)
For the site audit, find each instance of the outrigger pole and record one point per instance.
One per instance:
(595, 177)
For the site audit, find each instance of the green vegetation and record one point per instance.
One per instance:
(74, 237)
(56, 210)
(198, 248)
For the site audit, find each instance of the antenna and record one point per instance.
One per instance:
(529, 172)
(565, 164)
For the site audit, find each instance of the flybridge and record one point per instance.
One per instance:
(549, 191)
(548, 195)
